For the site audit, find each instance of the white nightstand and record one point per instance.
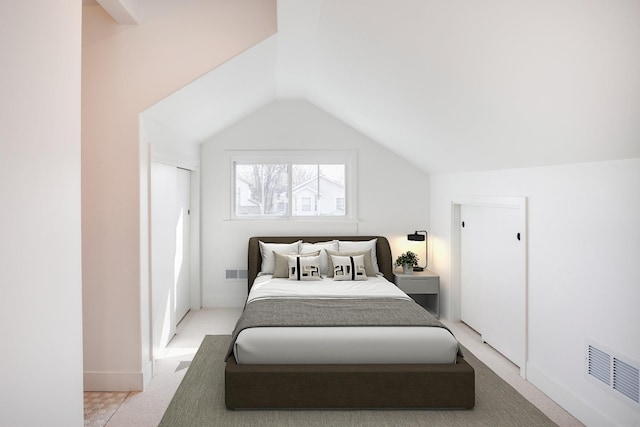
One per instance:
(420, 283)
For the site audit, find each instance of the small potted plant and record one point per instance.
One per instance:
(407, 261)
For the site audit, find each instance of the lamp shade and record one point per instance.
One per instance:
(418, 237)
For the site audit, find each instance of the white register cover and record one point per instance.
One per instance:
(323, 345)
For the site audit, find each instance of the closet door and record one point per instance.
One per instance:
(472, 264)
(183, 244)
(163, 249)
(170, 250)
(493, 281)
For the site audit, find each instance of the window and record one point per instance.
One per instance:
(261, 189)
(306, 204)
(295, 188)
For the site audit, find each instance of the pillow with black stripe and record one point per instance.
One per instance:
(304, 267)
(281, 269)
(348, 267)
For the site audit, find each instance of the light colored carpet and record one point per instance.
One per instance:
(199, 401)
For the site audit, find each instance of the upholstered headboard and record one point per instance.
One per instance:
(383, 251)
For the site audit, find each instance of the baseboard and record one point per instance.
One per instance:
(572, 403)
(115, 381)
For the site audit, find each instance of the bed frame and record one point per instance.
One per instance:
(345, 385)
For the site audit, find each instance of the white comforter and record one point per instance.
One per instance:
(373, 344)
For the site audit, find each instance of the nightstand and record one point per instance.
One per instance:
(420, 283)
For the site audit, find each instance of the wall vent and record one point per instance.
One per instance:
(599, 364)
(235, 274)
(626, 379)
(618, 375)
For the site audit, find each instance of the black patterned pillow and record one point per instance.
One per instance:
(304, 267)
(348, 267)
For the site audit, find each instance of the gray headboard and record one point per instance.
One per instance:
(383, 251)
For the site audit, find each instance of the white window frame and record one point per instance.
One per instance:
(346, 157)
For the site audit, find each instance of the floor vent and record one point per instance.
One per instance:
(618, 375)
(235, 274)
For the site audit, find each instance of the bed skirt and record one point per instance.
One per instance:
(350, 386)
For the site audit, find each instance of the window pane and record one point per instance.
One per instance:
(261, 190)
(318, 190)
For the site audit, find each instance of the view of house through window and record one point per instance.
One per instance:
(290, 190)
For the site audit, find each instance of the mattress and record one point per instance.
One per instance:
(340, 345)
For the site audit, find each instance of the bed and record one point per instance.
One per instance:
(266, 378)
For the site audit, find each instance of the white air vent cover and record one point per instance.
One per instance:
(599, 364)
(618, 375)
(626, 379)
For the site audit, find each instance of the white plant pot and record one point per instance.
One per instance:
(407, 269)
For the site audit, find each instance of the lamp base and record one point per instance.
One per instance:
(418, 268)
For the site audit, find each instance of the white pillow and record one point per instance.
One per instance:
(304, 267)
(322, 247)
(268, 258)
(348, 267)
(354, 246)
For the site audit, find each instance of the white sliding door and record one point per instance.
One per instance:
(472, 260)
(493, 276)
(163, 245)
(182, 269)
(170, 251)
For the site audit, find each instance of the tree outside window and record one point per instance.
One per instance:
(262, 190)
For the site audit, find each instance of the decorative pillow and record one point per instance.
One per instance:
(368, 267)
(322, 247)
(348, 267)
(355, 246)
(281, 267)
(267, 250)
(304, 267)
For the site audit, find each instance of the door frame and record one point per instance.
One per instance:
(519, 203)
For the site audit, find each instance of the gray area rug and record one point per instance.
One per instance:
(199, 401)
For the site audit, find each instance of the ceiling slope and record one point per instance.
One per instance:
(122, 11)
(221, 97)
(451, 86)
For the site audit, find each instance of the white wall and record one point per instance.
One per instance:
(584, 247)
(40, 259)
(393, 195)
(125, 69)
(168, 146)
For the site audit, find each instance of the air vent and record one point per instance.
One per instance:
(618, 375)
(626, 379)
(235, 274)
(599, 365)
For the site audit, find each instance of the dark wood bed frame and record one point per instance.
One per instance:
(345, 385)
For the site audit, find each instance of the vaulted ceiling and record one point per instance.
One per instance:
(451, 86)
